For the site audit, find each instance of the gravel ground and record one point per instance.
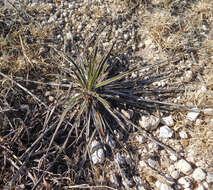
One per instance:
(179, 153)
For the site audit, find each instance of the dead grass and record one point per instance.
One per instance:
(173, 28)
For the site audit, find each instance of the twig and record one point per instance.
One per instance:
(86, 186)
(39, 139)
(44, 83)
(22, 169)
(16, 166)
(52, 164)
(23, 88)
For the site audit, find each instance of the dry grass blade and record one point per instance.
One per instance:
(69, 106)
(86, 186)
(25, 89)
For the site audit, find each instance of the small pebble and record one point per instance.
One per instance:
(51, 98)
(198, 122)
(192, 116)
(139, 183)
(186, 182)
(114, 179)
(209, 178)
(98, 155)
(168, 121)
(148, 42)
(173, 157)
(110, 141)
(142, 164)
(175, 174)
(126, 36)
(166, 132)
(52, 19)
(188, 76)
(162, 186)
(69, 35)
(127, 113)
(149, 122)
(140, 139)
(158, 184)
(208, 111)
(47, 93)
(171, 168)
(200, 187)
(183, 135)
(184, 166)
(152, 163)
(199, 175)
(205, 184)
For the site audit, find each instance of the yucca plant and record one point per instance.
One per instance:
(95, 94)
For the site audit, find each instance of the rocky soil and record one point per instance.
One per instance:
(174, 148)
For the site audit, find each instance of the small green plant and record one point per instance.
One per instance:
(95, 95)
(92, 93)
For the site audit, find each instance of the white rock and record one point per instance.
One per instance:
(139, 182)
(127, 113)
(47, 93)
(153, 146)
(199, 122)
(114, 179)
(185, 182)
(192, 116)
(200, 187)
(152, 162)
(205, 184)
(98, 155)
(126, 36)
(158, 184)
(142, 164)
(183, 135)
(188, 76)
(159, 84)
(140, 187)
(199, 175)
(171, 168)
(148, 42)
(119, 135)
(110, 141)
(140, 139)
(165, 187)
(149, 122)
(168, 121)
(208, 111)
(51, 98)
(69, 35)
(52, 19)
(175, 174)
(166, 132)
(184, 166)
(209, 178)
(173, 157)
(162, 186)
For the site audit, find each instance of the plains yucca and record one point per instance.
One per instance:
(96, 96)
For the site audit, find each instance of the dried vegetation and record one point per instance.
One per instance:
(35, 89)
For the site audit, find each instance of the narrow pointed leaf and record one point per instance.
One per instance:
(95, 120)
(109, 109)
(113, 79)
(69, 106)
(80, 71)
(100, 66)
(100, 122)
